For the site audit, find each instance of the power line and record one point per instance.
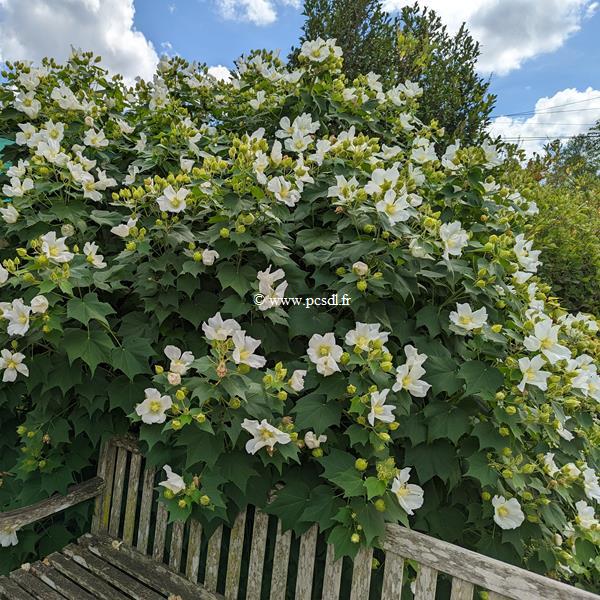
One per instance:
(549, 109)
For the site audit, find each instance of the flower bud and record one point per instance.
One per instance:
(360, 464)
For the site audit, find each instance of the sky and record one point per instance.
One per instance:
(541, 55)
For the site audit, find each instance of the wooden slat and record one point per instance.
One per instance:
(234, 559)
(333, 575)
(281, 559)
(131, 444)
(193, 552)
(496, 596)
(257, 555)
(119, 486)
(176, 545)
(361, 574)
(426, 583)
(103, 467)
(110, 574)
(58, 582)
(160, 532)
(75, 494)
(88, 580)
(10, 590)
(155, 575)
(306, 563)
(28, 581)
(461, 590)
(213, 555)
(393, 577)
(145, 509)
(132, 498)
(111, 454)
(482, 571)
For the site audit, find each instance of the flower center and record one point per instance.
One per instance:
(378, 409)
(547, 343)
(245, 354)
(465, 320)
(406, 381)
(530, 374)
(11, 364)
(23, 319)
(401, 492)
(53, 251)
(155, 406)
(503, 511)
(323, 350)
(265, 434)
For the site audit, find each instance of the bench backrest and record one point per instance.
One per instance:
(255, 559)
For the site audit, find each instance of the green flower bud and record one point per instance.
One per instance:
(360, 464)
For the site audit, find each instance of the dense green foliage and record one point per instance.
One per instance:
(414, 46)
(450, 393)
(565, 184)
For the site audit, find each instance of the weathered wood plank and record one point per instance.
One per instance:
(281, 560)
(495, 596)
(58, 582)
(160, 532)
(88, 580)
(176, 545)
(125, 441)
(461, 590)
(143, 534)
(132, 498)
(193, 552)
(118, 488)
(257, 555)
(234, 559)
(426, 583)
(393, 577)
(488, 573)
(361, 574)
(28, 581)
(76, 493)
(155, 575)
(333, 575)
(111, 455)
(306, 563)
(213, 555)
(102, 470)
(12, 591)
(109, 573)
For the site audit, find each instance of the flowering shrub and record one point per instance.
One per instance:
(149, 239)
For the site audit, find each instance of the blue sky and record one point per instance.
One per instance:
(198, 31)
(542, 53)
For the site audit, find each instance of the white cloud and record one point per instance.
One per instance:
(32, 29)
(220, 72)
(569, 112)
(511, 31)
(259, 12)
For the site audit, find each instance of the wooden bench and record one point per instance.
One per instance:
(132, 552)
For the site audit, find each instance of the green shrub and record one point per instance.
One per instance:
(567, 230)
(445, 390)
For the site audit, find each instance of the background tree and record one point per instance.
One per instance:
(414, 45)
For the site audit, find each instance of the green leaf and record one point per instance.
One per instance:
(429, 317)
(437, 459)
(290, 503)
(132, 357)
(93, 346)
(340, 539)
(339, 469)
(238, 280)
(88, 308)
(317, 412)
(322, 507)
(481, 378)
(375, 487)
(480, 470)
(311, 239)
(372, 522)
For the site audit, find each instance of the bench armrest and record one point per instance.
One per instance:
(13, 520)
